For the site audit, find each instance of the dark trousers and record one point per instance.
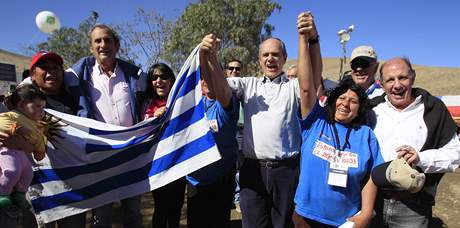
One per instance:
(168, 204)
(74, 221)
(9, 217)
(102, 216)
(302, 222)
(267, 193)
(210, 206)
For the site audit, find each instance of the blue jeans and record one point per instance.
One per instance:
(407, 213)
(102, 216)
(267, 193)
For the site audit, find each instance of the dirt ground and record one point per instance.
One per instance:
(446, 210)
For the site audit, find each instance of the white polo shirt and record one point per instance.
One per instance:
(271, 129)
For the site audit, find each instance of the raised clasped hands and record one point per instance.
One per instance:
(210, 44)
(306, 25)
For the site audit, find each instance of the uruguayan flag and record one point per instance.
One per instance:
(91, 163)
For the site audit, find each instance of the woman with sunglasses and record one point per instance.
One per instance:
(338, 150)
(169, 198)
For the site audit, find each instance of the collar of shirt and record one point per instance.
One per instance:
(282, 78)
(408, 108)
(97, 70)
(371, 88)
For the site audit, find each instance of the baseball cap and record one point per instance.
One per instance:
(43, 55)
(398, 175)
(367, 52)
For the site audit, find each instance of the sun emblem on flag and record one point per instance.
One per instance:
(52, 128)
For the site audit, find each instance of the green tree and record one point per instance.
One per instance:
(72, 44)
(241, 24)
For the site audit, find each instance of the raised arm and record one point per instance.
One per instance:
(211, 70)
(304, 67)
(315, 55)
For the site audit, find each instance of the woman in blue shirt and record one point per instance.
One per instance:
(338, 150)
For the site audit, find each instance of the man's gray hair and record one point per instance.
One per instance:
(107, 28)
(292, 66)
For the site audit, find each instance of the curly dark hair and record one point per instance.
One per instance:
(166, 70)
(344, 86)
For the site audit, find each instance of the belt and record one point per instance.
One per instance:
(273, 163)
(397, 195)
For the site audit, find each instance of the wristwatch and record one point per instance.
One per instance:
(314, 40)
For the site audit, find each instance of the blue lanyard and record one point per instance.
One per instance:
(337, 140)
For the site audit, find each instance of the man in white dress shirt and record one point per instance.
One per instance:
(414, 125)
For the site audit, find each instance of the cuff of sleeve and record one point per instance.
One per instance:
(425, 160)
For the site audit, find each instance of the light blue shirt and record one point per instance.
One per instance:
(271, 129)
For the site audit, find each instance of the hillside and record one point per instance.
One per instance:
(437, 80)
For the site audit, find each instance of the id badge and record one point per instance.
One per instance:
(338, 173)
(213, 125)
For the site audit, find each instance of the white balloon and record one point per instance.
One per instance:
(47, 21)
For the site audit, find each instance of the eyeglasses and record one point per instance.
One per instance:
(234, 68)
(359, 63)
(154, 77)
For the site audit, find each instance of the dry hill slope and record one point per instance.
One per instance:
(437, 80)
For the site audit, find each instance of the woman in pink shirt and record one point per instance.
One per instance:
(169, 198)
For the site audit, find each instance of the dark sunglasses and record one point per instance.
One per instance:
(359, 63)
(154, 77)
(234, 68)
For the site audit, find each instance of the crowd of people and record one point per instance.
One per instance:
(368, 151)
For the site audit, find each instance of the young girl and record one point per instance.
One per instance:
(27, 103)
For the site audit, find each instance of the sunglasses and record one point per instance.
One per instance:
(154, 77)
(363, 64)
(234, 68)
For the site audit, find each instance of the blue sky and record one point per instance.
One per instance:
(427, 32)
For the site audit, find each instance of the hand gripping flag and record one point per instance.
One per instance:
(90, 163)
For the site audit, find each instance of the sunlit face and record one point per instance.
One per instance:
(271, 58)
(32, 109)
(103, 46)
(49, 76)
(363, 72)
(161, 83)
(233, 69)
(397, 81)
(346, 107)
(292, 73)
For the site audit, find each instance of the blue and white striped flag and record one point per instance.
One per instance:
(94, 163)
